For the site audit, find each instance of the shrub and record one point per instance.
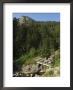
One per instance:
(51, 73)
(32, 52)
(56, 59)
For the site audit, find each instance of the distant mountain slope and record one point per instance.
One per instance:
(25, 19)
(28, 20)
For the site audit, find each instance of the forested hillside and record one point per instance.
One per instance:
(34, 39)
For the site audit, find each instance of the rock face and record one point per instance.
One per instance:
(42, 67)
(35, 69)
(30, 68)
(25, 20)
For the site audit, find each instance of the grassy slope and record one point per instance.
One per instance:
(29, 58)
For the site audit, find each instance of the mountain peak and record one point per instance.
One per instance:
(25, 19)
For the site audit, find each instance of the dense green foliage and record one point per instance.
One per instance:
(32, 38)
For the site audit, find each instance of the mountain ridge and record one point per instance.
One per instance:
(29, 18)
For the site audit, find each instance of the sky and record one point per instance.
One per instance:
(40, 16)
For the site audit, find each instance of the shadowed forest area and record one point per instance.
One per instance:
(36, 48)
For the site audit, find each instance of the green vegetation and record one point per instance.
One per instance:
(49, 73)
(55, 66)
(56, 59)
(33, 39)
